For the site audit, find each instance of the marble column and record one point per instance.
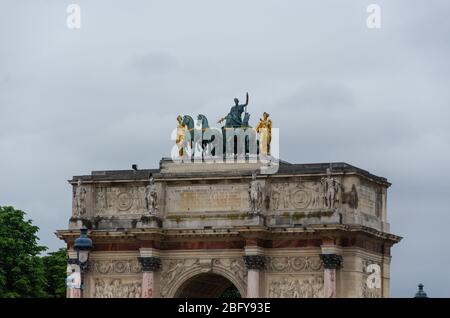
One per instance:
(255, 264)
(331, 262)
(149, 265)
(74, 293)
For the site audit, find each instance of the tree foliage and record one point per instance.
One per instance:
(21, 269)
(55, 267)
(23, 272)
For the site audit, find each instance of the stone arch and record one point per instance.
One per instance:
(206, 285)
(198, 270)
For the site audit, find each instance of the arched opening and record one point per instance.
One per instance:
(208, 285)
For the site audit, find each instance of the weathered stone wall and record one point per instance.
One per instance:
(289, 273)
(119, 274)
(113, 275)
(286, 201)
(353, 275)
(293, 273)
(217, 198)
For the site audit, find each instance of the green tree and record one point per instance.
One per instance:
(55, 266)
(21, 267)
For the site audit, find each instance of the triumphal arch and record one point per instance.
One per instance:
(199, 228)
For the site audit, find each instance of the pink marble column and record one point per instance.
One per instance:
(329, 280)
(149, 266)
(74, 293)
(253, 283)
(331, 262)
(255, 264)
(147, 284)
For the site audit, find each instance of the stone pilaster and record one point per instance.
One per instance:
(331, 262)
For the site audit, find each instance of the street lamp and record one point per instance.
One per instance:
(83, 245)
(420, 293)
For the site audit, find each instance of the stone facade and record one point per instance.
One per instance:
(303, 232)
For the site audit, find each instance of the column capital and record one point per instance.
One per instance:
(150, 264)
(257, 262)
(331, 261)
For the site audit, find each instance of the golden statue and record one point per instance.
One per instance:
(181, 134)
(264, 129)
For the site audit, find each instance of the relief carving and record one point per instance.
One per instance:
(293, 196)
(330, 190)
(294, 264)
(173, 269)
(111, 199)
(79, 200)
(118, 200)
(287, 287)
(255, 195)
(139, 198)
(237, 267)
(100, 200)
(116, 288)
(124, 200)
(351, 197)
(151, 197)
(115, 267)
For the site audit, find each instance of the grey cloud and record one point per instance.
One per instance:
(155, 63)
(320, 97)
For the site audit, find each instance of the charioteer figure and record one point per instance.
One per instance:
(234, 117)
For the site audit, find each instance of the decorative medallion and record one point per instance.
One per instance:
(124, 201)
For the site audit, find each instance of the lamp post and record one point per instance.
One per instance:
(83, 245)
(420, 293)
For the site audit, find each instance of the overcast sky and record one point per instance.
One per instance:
(107, 95)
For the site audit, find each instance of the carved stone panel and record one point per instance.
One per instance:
(81, 200)
(294, 264)
(153, 196)
(119, 200)
(236, 266)
(107, 267)
(256, 195)
(116, 288)
(298, 286)
(171, 269)
(207, 198)
(289, 197)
